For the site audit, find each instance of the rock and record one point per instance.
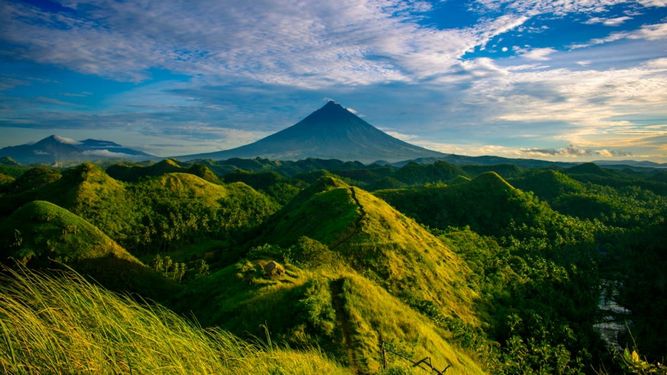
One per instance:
(273, 269)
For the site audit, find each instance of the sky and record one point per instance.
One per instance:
(571, 80)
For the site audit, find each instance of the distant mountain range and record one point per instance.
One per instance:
(55, 149)
(331, 132)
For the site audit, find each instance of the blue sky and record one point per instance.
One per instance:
(557, 79)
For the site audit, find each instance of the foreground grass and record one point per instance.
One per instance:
(65, 324)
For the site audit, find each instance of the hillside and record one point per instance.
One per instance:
(331, 307)
(64, 324)
(496, 204)
(548, 184)
(41, 230)
(373, 237)
(331, 132)
(42, 234)
(134, 173)
(151, 215)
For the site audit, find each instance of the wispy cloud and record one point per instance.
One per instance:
(244, 78)
(614, 21)
(349, 42)
(646, 32)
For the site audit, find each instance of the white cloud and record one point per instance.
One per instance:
(561, 7)
(106, 154)
(646, 32)
(348, 42)
(538, 54)
(574, 152)
(596, 106)
(653, 3)
(615, 21)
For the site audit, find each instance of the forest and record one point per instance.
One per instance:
(252, 265)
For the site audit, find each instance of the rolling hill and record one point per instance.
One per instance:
(40, 230)
(331, 132)
(43, 235)
(150, 215)
(373, 237)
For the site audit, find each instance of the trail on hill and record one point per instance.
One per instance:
(343, 319)
(357, 224)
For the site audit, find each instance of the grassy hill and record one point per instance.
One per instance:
(41, 230)
(548, 184)
(320, 296)
(153, 214)
(331, 307)
(40, 233)
(67, 325)
(376, 239)
(134, 173)
(496, 204)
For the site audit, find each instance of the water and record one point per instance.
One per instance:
(615, 318)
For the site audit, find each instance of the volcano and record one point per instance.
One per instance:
(331, 132)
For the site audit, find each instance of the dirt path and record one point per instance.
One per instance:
(343, 320)
(357, 224)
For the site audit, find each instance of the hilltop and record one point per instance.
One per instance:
(372, 236)
(153, 214)
(40, 230)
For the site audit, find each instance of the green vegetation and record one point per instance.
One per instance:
(40, 230)
(377, 240)
(487, 269)
(65, 324)
(155, 214)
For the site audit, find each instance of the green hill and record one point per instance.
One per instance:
(67, 325)
(588, 168)
(35, 178)
(41, 230)
(548, 184)
(331, 307)
(134, 173)
(419, 174)
(376, 239)
(487, 203)
(272, 184)
(5, 180)
(155, 213)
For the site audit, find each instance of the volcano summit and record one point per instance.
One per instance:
(331, 132)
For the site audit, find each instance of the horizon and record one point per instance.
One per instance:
(549, 80)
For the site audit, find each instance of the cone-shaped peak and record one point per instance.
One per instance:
(333, 108)
(331, 132)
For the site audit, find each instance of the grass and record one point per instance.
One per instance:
(378, 241)
(333, 308)
(44, 230)
(65, 324)
(152, 215)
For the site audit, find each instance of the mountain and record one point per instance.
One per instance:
(56, 149)
(331, 132)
